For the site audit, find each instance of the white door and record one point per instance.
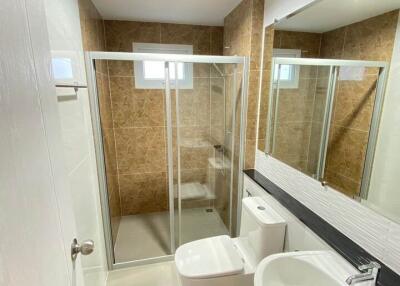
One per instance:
(32, 247)
(38, 208)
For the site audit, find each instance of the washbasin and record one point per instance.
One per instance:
(305, 268)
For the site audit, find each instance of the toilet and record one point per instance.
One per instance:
(222, 260)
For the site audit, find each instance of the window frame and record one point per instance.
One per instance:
(293, 83)
(142, 83)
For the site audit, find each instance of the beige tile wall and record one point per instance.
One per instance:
(92, 28)
(139, 119)
(243, 29)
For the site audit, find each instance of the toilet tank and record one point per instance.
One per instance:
(262, 227)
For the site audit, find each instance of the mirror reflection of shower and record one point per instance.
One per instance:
(305, 132)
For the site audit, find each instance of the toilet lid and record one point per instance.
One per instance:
(209, 257)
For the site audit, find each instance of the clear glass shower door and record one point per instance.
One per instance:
(203, 147)
(167, 132)
(299, 101)
(133, 132)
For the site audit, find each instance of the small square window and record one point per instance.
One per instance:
(289, 74)
(151, 74)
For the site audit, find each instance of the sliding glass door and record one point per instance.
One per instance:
(203, 145)
(167, 135)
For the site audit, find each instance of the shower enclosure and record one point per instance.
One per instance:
(323, 118)
(168, 132)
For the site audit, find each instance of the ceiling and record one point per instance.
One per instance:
(327, 15)
(196, 12)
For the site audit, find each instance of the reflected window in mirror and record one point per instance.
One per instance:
(288, 75)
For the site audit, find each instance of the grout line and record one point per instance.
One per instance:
(344, 41)
(344, 176)
(350, 128)
(312, 117)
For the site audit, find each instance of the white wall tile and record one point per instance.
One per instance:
(372, 231)
(392, 248)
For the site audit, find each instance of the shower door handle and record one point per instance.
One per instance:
(85, 248)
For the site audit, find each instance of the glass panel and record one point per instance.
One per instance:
(350, 127)
(219, 169)
(298, 114)
(202, 144)
(205, 156)
(233, 112)
(134, 140)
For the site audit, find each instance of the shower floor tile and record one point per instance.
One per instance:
(147, 235)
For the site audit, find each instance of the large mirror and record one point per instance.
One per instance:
(329, 105)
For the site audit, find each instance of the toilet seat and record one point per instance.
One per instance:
(207, 258)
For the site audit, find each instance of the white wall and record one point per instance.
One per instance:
(74, 111)
(277, 9)
(373, 232)
(384, 192)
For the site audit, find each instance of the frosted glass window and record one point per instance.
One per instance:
(156, 70)
(151, 74)
(289, 74)
(153, 70)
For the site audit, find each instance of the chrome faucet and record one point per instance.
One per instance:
(369, 271)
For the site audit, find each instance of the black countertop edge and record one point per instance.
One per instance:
(347, 248)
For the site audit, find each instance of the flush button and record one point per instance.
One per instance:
(261, 208)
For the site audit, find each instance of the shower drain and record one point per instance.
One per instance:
(209, 210)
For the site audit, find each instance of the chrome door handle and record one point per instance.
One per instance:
(85, 248)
